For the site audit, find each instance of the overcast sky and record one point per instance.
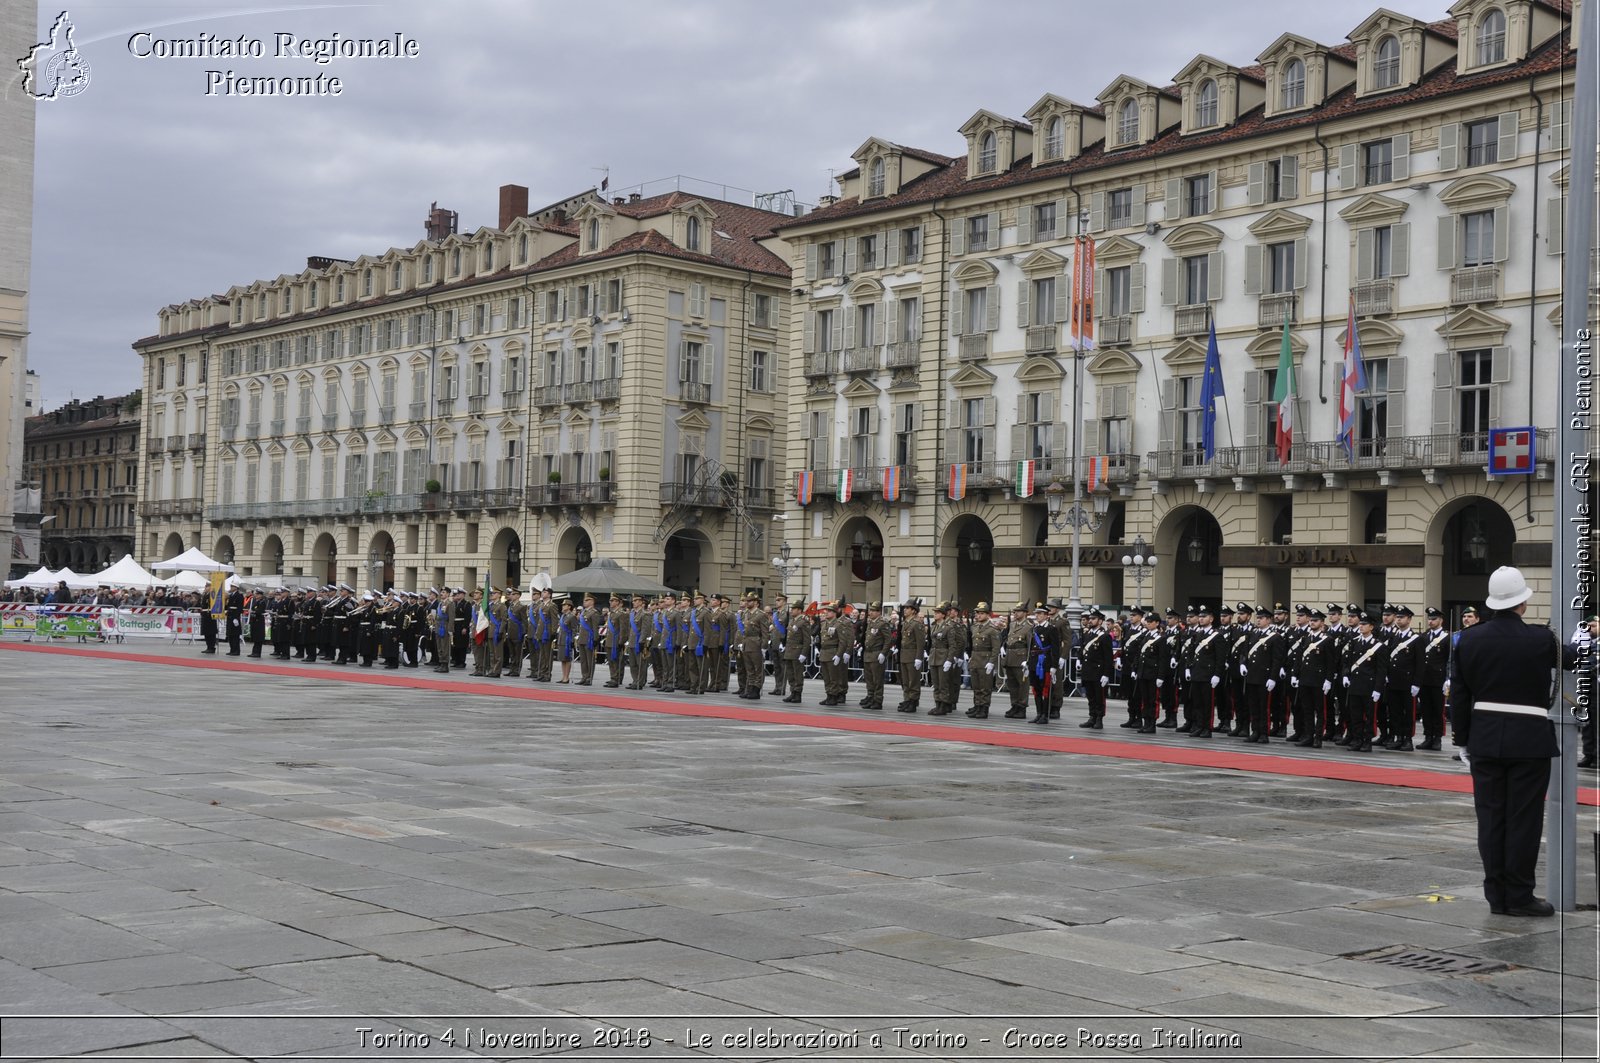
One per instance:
(149, 192)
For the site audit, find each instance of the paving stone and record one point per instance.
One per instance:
(144, 972)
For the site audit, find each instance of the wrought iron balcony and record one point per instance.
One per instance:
(549, 395)
(1115, 468)
(694, 391)
(446, 405)
(582, 391)
(865, 479)
(1374, 298)
(861, 360)
(252, 430)
(587, 493)
(1189, 463)
(906, 354)
(1193, 320)
(715, 496)
(330, 422)
(419, 411)
(821, 364)
(499, 498)
(760, 498)
(1115, 331)
(973, 348)
(1276, 309)
(175, 443)
(1475, 284)
(1043, 339)
(609, 390)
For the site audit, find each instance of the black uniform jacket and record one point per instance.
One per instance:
(1507, 661)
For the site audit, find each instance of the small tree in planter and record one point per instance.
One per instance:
(430, 495)
(605, 475)
(554, 477)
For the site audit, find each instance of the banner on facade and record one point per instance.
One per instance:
(1511, 451)
(1025, 479)
(958, 482)
(1082, 325)
(891, 484)
(805, 487)
(846, 482)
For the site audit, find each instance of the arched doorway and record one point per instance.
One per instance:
(1472, 536)
(684, 561)
(272, 556)
(325, 559)
(172, 547)
(574, 551)
(505, 559)
(380, 562)
(858, 561)
(223, 551)
(1189, 544)
(966, 562)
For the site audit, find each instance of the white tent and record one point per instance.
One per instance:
(186, 581)
(78, 581)
(42, 579)
(125, 573)
(192, 560)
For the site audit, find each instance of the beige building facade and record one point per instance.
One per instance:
(84, 458)
(598, 377)
(1413, 176)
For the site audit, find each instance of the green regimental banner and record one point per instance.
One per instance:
(60, 627)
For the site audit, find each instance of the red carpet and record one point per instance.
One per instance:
(1380, 769)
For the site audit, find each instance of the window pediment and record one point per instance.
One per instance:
(1373, 209)
(509, 428)
(1268, 347)
(1187, 354)
(1041, 371)
(1043, 261)
(970, 376)
(974, 273)
(276, 449)
(355, 439)
(385, 438)
(1473, 327)
(328, 445)
(693, 421)
(760, 424)
(860, 389)
(1378, 337)
(866, 290)
(1559, 178)
(302, 447)
(1279, 223)
(416, 437)
(475, 430)
(1194, 238)
(1118, 250)
(1478, 192)
(251, 452)
(1112, 361)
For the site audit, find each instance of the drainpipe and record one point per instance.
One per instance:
(527, 414)
(939, 402)
(741, 384)
(1322, 276)
(1533, 279)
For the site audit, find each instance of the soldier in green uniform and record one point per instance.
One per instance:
(714, 677)
(754, 629)
(1061, 620)
(796, 650)
(944, 661)
(875, 647)
(831, 648)
(985, 658)
(913, 655)
(1014, 652)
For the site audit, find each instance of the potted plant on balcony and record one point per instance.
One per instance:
(605, 475)
(430, 495)
(553, 478)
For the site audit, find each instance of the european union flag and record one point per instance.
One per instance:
(1210, 392)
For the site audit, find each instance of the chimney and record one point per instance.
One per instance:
(441, 223)
(513, 203)
(634, 197)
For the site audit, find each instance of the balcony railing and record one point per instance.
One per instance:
(1188, 463)
(822, 364)
(760, 498)
(252, 430)
(330, 422)
(1043, 339)
(1276, 309)
(386, 414)
(694, 391)
(446, 405)
(1374, 297)
(175, 443)
(1475, 284)
(419, 411)
(197, 441)
(1115, 331)
(477, 403)
(499, 498)
(229, 431)
(358, 417)
(1116, 468)
(302, 425)
(861, 360)
(697, 494)
(276, 426)
(1194, 320)
(582, 391)
(903, 355)
(589, 493)
(974, 348)
(609, 390)
(1373, 455)
(549, 395)
(864, 480)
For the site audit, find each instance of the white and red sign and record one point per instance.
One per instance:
(1511, 451)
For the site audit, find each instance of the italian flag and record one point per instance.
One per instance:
(1283, 394)
(845, 483)
(480, 630)
(1025, 479)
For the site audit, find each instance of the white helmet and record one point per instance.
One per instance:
(1507, 589)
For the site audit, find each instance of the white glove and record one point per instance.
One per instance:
(917, 664)
(1376, 697)
(1173, 663)
(1002, 653)
(1133, 675)
(835, 659)
(1244, 670)
(1415, 691)
(801, 658)
(1187, 674)
(988, 669)
(1158, 684)
(1346, 680)
(947, 665)
(1061, 664)
(847, 658)
(1447, 688)
(1326, 686)
(1272, 684)
(1294, 681)
(780, 647)
(1214, 681)
(1105, 680)
(881, 658)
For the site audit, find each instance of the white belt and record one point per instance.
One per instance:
(1501, 706)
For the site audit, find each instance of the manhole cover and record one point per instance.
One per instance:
(676, 830)
(1429, 961)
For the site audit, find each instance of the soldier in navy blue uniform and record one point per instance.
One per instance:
(1363, 684)
(1432, 670)
(1500, 697)
(1262, 664)
(1095, 667)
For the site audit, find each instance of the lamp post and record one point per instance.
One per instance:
(785, 565)
(1075, 517)
(1141, 564)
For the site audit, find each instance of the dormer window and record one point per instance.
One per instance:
(338, 289)
(311, 295)
(455, 262)
(1386, 64)
(427, 269)
(522, 248)
(691, 233)
(875, 178)
(1128, 122)
(394, 276)
(488, 257)
(366, 282)
(988, 152)
(283, 302)
(594, 234)
(261, 304)
(1205, 104)
(1292, 88)
(1490, 41)
(1052, 137)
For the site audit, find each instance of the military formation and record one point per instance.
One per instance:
(1311, 676)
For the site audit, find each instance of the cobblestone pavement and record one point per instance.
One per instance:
(248, 864)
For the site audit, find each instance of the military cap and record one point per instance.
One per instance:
(367, 597)
(1189, 610)
(1202, 610)
(1040, 607)
(981, 607)
(1334, 607)
(1366, 618)
(699, 594)
(1389, 608)
(1226, 610)
(1434, 611)
(1152, 617)
(915, 605)
(347, 587)
(1097, 614)
(1020, 607)
(1470, 610)
(875, 607)
(1403, 610)
(1302, 610)
(1263, 610)
(1244, 607)
(1057, 603)
(614, 596)
(797, 607)
(1172, 613)
(1318, 614)
(1279, 607)
(1353, 609)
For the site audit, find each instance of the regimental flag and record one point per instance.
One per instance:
(1352, 382)
(806, 488)
(1511, 451)
(480, 630)
(1025, 478)
(846, 483)
(1210, 391)
(1283, 394)
(891, 484)
(958, 482)
(1082, 309)
(219, 595)
(1096, 473)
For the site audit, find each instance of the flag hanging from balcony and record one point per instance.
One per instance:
(845, 484)
(1025, 479)
(1082, 308)
(1283, 394)
(1096, 474)
(1210, 391)
(891, 484)
(806, 487)
(1352, 382)
(958, 482)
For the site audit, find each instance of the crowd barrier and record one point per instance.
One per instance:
(99, 622)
